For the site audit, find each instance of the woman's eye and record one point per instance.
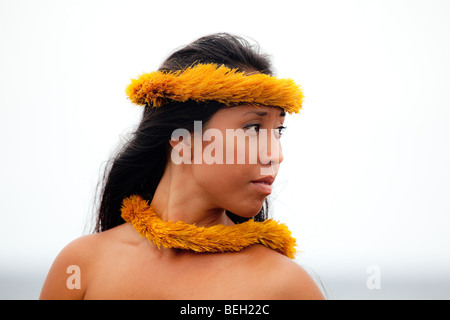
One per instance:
(281, 130)
(279, 133)
(255, 125)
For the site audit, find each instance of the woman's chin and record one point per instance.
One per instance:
(250, 213)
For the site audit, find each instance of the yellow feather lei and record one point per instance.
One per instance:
(210, 82)
(218, 238)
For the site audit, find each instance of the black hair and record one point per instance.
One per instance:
(139, 164)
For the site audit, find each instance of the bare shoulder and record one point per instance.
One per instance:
(69, 274)
(286, 278)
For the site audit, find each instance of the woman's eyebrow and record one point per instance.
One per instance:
(264, 113)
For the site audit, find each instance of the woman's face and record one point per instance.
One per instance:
(239, 146)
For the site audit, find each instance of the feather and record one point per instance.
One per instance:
(210, 82)
(218, 238)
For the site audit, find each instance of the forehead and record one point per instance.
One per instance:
(248, 110)
(232, 117)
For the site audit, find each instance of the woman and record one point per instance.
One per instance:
(183, 210)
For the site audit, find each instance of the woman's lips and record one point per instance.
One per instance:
(263, 187)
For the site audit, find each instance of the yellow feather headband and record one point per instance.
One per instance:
(210, 82)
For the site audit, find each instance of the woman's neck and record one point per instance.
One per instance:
(179, 198)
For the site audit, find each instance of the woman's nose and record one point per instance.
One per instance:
(270, 148)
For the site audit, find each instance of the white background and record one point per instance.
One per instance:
(366, 176)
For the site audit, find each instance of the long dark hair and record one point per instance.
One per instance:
(139, 164)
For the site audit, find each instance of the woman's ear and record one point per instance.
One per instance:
(180, 136)
(181, 150)
(174, 143)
